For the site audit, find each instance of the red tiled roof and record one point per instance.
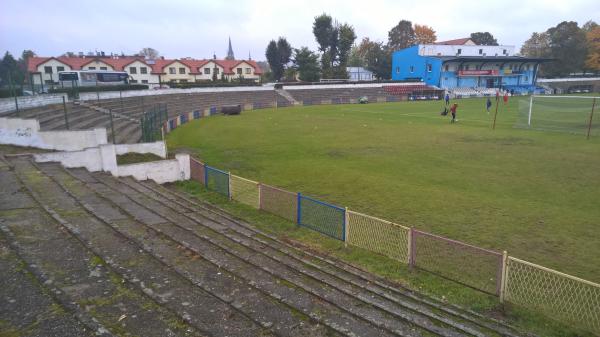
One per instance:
(119, 63)
(455, 41)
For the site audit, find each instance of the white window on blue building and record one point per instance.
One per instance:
(412, 69)
(397, 70)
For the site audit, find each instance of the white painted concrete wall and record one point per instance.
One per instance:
(26, 132)
(349, 86)
(26, 102)
(104, 158)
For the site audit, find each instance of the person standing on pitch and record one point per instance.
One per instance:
(453, 111)
(505, 97)
(447, 98)
(488, 104)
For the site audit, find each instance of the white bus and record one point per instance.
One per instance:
(84, 78)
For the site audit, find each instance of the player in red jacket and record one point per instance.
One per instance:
(453, 111)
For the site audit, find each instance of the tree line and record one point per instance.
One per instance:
(574, 49)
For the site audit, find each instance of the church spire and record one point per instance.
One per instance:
(230, 55)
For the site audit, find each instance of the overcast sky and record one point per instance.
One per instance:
(180, 28)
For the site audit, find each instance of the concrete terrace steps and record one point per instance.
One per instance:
(164, 302)
(464, 323)
(335, 267)
(85, 284)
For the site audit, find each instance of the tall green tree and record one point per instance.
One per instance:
(568, 46)
(335, 42)
(306, 63)
(401, 36)
(484, 39)
(278, 55)
(538, 45)
(9, 69)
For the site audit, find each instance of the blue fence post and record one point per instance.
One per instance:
(205, 176)
(299, 202)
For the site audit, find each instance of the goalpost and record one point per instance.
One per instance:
(574, 114)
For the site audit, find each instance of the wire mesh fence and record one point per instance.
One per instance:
(197, 171)
(322, 217)
(448, 258)
(216, 180)
(558, 295)
(379, 236)
(279, 202)
(245, 191)
(151, 122)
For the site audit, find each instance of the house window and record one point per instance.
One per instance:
(182, 70)
(143, 70)
(480, 51)
(459, 51)
(91, 68)
(48, 70)
(103, 68)
(504, 51)
(172, 70)
(60, 68)
(217, 71)
(248, 71)
(239, 71)
(133, 81)
(132, 70)
(145, 81)
(397, 70)
(183, 81)
(412, 69)
(429, 67)
(207, 71)
(447, 68)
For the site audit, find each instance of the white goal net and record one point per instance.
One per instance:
(573, 114)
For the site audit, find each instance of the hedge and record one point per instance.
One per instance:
(6, 92)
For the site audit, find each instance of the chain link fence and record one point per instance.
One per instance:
(322, 217)
(152, 122)
(379, 236)
(197, 171)
(216, 180)
(245, 191)
(470, 265)
(561, 296)
(279, 202)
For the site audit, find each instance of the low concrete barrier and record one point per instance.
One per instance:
(26, 132)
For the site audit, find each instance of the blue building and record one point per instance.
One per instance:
(466, 65)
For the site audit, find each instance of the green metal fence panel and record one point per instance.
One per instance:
(216, 180)
(322, 217)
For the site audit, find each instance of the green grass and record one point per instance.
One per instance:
(534, 194)
(134, 157)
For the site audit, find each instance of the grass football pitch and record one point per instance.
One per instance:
(533, 193)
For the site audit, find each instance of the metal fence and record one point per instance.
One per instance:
(279, 202)
(379, 236)
(558, 295)
(152, 121)
(448, 258)
(197, 171)
(322, 217)
(245, 191)
(216, 180)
